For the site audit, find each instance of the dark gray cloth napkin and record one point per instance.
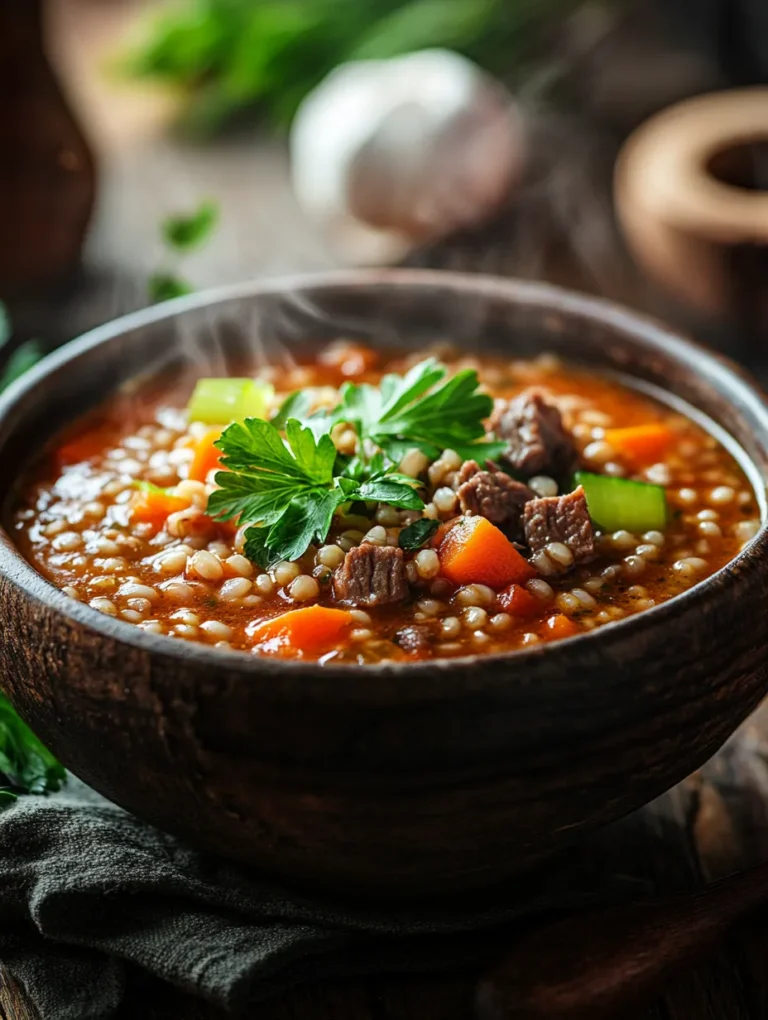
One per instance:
(87, 892)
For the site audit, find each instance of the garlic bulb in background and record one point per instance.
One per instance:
(390, 154)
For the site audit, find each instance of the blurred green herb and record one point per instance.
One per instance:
(182, 234)
(164, 286)
(233, 55)
(28, 766)
(24, 357)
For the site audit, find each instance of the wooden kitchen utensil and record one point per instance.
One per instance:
(687, 196)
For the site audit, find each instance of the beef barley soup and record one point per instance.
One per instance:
(360, 509)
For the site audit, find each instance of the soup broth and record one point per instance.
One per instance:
(396, 507)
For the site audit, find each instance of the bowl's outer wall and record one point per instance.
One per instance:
(418, 777)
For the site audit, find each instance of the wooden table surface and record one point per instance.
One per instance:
(714, 823)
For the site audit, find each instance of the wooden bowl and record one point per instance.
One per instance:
(420, 777)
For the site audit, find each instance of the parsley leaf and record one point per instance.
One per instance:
(286, 479)
(22, 359)
(284, 487)
(187, 232)
(296, 405)
(421, 409)
(255, 448)
(28, 766)
(165, 286)
(418, 534)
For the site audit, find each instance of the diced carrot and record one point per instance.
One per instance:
(560, 627)
(519, 602)
(440, 534)
(206, 458)
(311, 629)
(155, 507)
(475, 552)
(641, 444)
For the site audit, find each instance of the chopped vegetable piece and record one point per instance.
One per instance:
(519, 602)
(302, 630)
(155, 506)
(222, 401)
(207, 457)
(418, 534)
(421, 409)
(617, 504)
(476, 552)
(641, 444)
(440, 534)
(560, 627)
(288, 487)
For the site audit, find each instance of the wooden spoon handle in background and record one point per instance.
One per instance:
(594, 965)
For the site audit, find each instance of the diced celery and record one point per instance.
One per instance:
(617, 504)
(222, 401)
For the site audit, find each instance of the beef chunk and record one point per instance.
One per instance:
(493, 495)
(371, 575)
(563, 519)
(415, 640)
(538, 443)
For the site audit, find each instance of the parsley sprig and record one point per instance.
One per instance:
(286, 479)
(29, 766)
(290, 489)
(422, 409)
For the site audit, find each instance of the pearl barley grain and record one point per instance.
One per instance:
(721, 495)
(286, 572)
(235, 588)
(264, 585)
(427, 563)
(330, 556)
(303, 588)
(240, 565)
(216, 631)
(206, 565)
(104, 606)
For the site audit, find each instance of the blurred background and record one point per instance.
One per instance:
(151, 147)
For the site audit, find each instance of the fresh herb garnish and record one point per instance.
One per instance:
(290, 489)
(27, 765)
(422, 409)
(418, 534)
(287, 480)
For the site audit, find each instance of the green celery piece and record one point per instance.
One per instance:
(221, 401)
(616, 504)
